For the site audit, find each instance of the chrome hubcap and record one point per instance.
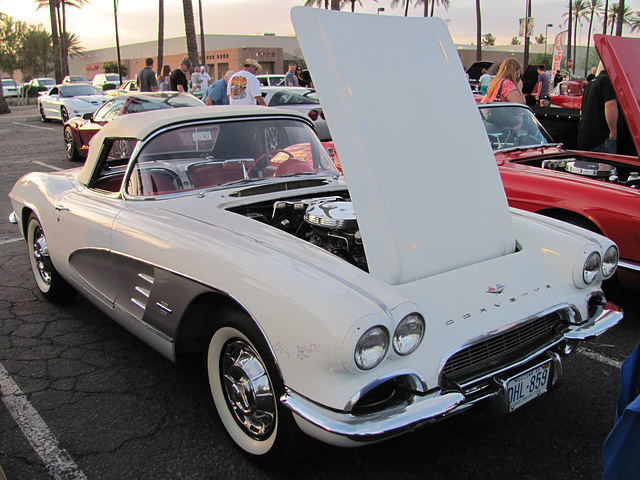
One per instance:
(248, 390)
(41, 255)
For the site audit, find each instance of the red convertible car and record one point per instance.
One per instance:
(598, 191)
(78, 131)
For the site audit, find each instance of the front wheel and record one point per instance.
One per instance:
(246, 386)
(72, 149)
(64, 115)
(52, 286)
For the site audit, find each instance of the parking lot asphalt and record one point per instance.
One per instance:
(20, 113)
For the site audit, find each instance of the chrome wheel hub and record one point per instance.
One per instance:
(41, 255)
(247, 389)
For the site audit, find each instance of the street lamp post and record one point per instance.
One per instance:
(546, 37)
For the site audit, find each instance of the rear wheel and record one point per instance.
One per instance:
(246, 387)
(72, 150)
(49, 281)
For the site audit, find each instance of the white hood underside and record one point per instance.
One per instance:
(421, 174)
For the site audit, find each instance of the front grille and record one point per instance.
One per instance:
(516, 342)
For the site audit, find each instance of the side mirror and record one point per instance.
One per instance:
(87, 116)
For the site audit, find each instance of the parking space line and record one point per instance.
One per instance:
(32, 126)
(57, 461)
(599, 357)
(11, 240)
(42, 164)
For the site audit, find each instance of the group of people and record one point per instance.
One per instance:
(598, 125)
(234, 88)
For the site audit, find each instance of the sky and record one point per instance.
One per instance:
(138, 19)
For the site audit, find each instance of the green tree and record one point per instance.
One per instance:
(634, 22)
(190, 31)
(112, 67)
(515, 41)
(488, 40)
(542, 58)
(579, 11)
(11, 35)
(614, 14)
(37, 54)
(540, 39)
(335, 5)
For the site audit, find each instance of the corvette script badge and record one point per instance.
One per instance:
(496, 290)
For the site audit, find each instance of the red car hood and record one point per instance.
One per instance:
(620, 58)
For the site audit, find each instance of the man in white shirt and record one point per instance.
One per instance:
(205, 79)
(244, 87)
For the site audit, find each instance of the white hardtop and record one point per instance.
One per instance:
(140, 125)
(420, 170)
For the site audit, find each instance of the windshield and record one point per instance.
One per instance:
(216, 154)
(9, 83)
(511, 126)
(288, 98)
(157, 102)
(76, 90)
(46, 81)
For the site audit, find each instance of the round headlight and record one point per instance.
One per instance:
(408, 334)
(371, 348)
(610, 261)
(591, 268)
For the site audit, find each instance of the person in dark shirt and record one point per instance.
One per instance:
(598, 126)
(147, 81)
(557, 78)
(178, 81)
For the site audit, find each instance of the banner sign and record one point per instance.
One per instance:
(529, 24)
(557, 50)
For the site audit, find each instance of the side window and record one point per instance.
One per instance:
(54, 91)
(112, 164)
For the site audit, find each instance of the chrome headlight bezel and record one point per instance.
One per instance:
(408, 335)
(591, 268)
(371, 348)
(610, 261)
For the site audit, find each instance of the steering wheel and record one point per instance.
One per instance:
(507, 134)
(264, 160)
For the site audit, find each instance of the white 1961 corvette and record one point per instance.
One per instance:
(353, 310)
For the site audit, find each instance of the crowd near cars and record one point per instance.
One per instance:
(349, 307)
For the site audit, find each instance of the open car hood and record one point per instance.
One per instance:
(620, 58)
(421, 174)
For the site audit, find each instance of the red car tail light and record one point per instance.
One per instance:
(313, 115)
(322, 114)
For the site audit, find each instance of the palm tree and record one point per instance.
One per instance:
(405, 5)
(190, 31)
(478, 32)
(160, 35)
(55, 39)
(593, 7)
(621, 19)
(580, 10)
(444, 3)
(614, 14)
(320, 3)
(634, 22)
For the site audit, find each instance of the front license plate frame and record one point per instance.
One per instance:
(526, 386)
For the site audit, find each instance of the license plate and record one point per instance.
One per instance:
(528, 386)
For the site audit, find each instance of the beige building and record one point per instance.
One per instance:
(223, 52)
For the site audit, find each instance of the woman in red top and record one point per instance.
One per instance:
(507, 84)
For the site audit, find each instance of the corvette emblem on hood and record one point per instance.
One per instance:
(497, 290)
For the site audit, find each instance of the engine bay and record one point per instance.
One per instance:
(328, 222)
(612, 172)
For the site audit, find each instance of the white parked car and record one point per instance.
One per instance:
(75, 79)
(73, 100)
(270, 79)
(100, 79)
(299, 99)
(10, 88)
(352, 309)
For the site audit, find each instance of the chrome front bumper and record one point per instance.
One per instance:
(343, 428)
